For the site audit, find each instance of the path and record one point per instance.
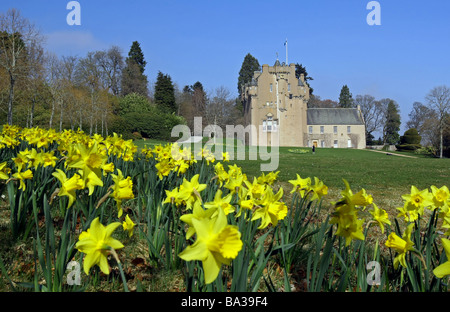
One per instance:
(389, 153)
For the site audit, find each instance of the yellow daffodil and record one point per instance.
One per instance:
(417, 200)
(189, 191)
(380, 216)
(319, 189)
(49, 159)
(444, 269)
(122, 189)
(221, 202)
(216, 243)
(4, 171)
(401, 245)
(441, 196)
(68, 186)
(21, 176)
(350, 228)
(95, 243)
(301, 185)
(128, 225)
(270, 209)
(269, 179)
(198, 213)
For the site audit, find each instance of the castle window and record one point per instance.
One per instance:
(335, 143)
(271, 87)
(321, 129)
(349, 129)
(335, 129)
(289, 87)
(310, 130)
(270, 125)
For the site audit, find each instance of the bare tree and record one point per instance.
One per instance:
(111, 64)
(372, 112)
(17, 35)
(423, 119)
(439, 101)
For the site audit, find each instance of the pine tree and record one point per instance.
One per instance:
(392, 127)
(165, 94)
(133, 78)
(249, 66)
(345, 98)
(300, 69)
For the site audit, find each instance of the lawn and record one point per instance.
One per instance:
(386, 177)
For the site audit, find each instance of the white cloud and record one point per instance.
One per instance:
(73, 42)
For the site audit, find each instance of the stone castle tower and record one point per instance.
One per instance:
(275, 101)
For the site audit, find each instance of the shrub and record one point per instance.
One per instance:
(410, 141)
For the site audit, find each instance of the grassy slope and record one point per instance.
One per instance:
(386, 177)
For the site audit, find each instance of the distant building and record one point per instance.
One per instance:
(275, 104)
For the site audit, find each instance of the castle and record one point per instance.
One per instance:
(275, 102)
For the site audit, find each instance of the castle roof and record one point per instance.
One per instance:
(334, 116)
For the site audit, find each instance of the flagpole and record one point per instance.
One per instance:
(286, 44)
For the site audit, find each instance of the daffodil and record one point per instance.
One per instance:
(128, 225)
(417, 200)
(301, 185)
(401, 245)
(350, 228)
(221, 202)
(122, 189)
(441, 196)
(270, 209)
(198, 213)
(189, 191)
(21, 176)
(380, 216)
(68, 186)
(444, 269)
(319, 189)
(49, 159)
(216, 243)
(4, 171)
(96, 243)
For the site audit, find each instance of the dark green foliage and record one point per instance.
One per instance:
(133, 102)
(133, 78)
(152, 124)
(137, 56)
(249, 66)
(345, 98)
(165, 94)
(300, 69)
(392, 124)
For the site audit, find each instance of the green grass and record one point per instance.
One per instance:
(386, 177)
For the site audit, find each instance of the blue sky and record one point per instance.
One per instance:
(403, 58)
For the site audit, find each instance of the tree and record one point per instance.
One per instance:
(300, 69)
(111, 64)
(165, 94)
(439, 101)
(423, 119)
(372, 113)
(392, 126)
(345, 98)
(17, 36)
(410, 140)
(133, 78)
(248, 68)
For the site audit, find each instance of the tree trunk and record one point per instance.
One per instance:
(10, 100)
(52, 114)
(441, 147)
